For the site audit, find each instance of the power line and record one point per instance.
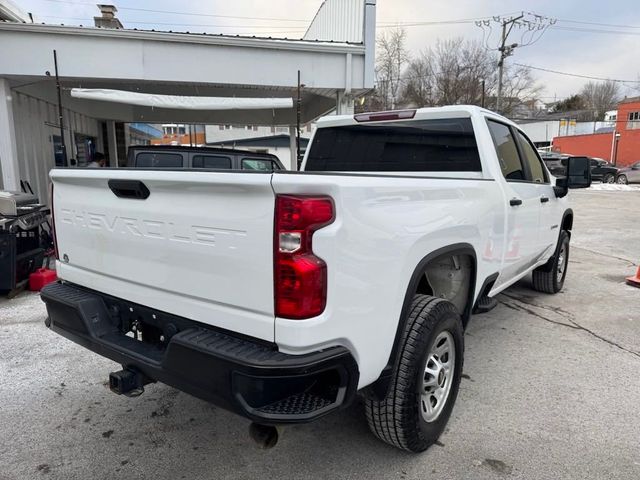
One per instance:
(148, 10)
(598, 24)
(588, 77)
(593, 30)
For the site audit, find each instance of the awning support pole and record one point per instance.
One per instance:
(60, 117)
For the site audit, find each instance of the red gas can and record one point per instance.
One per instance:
(40, 278)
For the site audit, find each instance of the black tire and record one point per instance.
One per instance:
(398, 419)
(622, 179)
(608, 178)
(550, 278)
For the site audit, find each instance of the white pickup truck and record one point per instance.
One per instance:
(281, 296)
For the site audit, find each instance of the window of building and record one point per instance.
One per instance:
(633, 121)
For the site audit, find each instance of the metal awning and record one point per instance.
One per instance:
(180, 102)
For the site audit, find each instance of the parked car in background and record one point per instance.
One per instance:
(208, 158)
(602, 170)
(631, 174)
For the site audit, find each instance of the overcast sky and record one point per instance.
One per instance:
(591, 37)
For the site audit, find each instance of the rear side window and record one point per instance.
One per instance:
(442, 145)
(159, 160)
(507, 151)
(211, 161)
(532, 159)
(259, 164)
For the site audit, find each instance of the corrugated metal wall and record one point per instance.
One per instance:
(338, 20)
(35, 123)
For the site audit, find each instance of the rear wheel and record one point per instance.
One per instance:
(426, 378)
(622, 179)
(608, 178)
(549, 278)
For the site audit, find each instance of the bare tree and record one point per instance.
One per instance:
(451, 72)
(519, 87)
(417, 83)
(392, 57)
(601, 96)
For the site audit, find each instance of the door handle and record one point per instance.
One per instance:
(544, 199)
(129, 189)
(515, 201)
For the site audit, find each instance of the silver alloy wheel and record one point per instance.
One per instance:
(622, 180)
(562, 261)
(438, 377)
(609, 179)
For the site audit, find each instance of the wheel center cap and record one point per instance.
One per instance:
(441, 377)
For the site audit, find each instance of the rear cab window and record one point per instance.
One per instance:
(438, 145)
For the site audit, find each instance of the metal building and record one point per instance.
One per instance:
(335, 60)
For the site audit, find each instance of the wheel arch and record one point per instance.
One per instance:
(567, 220)
(380, 387)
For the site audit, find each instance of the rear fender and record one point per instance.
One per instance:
(380, 387)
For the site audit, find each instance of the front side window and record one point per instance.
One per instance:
(532, 160)
(441, 145)
(507, 151)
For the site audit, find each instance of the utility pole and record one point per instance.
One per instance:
(532, 27)
(505, 51)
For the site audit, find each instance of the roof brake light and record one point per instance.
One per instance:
(381, 116)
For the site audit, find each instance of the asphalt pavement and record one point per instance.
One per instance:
(551, 390)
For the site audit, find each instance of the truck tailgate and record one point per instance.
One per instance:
(199, 246)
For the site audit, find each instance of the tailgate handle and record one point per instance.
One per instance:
(129, 189)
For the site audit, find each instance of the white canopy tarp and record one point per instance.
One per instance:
(180, 102)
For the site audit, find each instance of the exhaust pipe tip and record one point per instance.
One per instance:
(265, 436)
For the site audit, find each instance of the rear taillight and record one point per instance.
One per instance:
(300, 277)
(53, 224)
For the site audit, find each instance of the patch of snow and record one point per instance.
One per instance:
(614, 187)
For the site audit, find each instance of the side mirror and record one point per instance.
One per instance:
(578, 176)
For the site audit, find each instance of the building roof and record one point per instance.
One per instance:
(630, 100)
(281, 140)
(175, 36)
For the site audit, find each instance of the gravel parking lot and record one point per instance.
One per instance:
(551, 389)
